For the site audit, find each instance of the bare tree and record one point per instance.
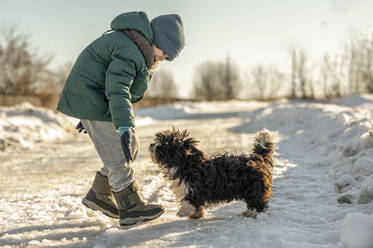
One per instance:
(301, 71)
(230, 80)
(21, 69)
(59, 77)
(367, 56)
(355, 50)
(260, 80)
(216, 81)
(358, 55)
(300, 75)
(333, 76)
(293, 73)
(267, 80)
(351, 55)
(368, 64)
(206, 84)
(276, 81)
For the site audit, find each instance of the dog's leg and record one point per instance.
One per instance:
(254, 208)
(179, 190)
(198, 213)
(252, 213)
(185, 209)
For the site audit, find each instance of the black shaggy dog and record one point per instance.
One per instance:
(200, 180)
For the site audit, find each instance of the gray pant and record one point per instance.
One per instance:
(106, 140)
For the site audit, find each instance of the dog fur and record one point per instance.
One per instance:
(200, 180)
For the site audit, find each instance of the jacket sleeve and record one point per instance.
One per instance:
(140, 84)
(119, 77)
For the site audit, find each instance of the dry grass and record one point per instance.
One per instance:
(147, 102)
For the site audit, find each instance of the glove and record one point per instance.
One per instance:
(125, 140)
(80, 127)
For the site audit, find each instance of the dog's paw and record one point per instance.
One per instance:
(250, 213)
(198, 214)
(182, 213)
(186, 209)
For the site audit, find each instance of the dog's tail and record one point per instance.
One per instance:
(264, 145)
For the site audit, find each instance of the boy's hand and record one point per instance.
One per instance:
(80, 127)
(126, 140)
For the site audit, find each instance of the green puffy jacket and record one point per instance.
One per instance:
(109, 75)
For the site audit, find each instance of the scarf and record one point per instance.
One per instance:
(144, 46)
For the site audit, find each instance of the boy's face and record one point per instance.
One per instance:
(159, 55)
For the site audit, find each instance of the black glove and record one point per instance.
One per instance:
(80, 127)
(126, 141)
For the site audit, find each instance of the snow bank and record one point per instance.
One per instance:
(162, 112)
(343, 134)
(357, 231)
(184, 110)
(24, 125)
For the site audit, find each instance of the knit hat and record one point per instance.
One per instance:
(168, 34)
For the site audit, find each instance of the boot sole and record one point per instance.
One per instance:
(93, 206)
(131, 221)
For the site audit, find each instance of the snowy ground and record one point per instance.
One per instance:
(323, 180)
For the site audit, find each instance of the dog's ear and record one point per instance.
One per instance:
(189, 145)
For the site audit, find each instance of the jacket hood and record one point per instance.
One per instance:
(134, 20)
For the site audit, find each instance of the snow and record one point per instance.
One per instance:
(323, 179)
(363, 166)
(366, 140)
(25, 125)
(357, 230)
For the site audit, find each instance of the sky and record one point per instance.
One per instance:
(248, 31)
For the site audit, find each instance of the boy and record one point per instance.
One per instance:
(109, 76)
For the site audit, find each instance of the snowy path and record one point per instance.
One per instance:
(41, 189)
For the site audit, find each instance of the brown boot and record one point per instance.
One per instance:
(132, 209)
(100, 198)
